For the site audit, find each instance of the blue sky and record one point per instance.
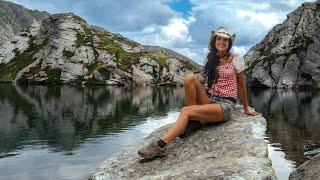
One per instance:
(180, 25)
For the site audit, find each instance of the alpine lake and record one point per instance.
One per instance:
(65, 132)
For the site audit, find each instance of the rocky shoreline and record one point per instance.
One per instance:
(235, 149)
(308, 170)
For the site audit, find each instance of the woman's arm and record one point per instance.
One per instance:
(242, 89)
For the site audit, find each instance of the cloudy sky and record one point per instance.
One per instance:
(181, 25)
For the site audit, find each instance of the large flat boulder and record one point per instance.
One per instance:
(309, 170)
(232, 150)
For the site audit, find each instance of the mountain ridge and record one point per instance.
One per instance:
(15, 17)
(63, 48)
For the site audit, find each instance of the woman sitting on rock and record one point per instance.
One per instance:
(225, 76)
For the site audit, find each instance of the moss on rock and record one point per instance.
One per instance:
(188, 66)
(84, 38)
(53, 75)
(160, 58)
(270, 46)
(67, 54)
(9, 71)
(301, 44)
(124, 59)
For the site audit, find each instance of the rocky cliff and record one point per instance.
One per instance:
(232, 150)
(14, 18)
(63, 48)
(289, 55)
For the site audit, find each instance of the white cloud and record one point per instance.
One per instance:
(175, 35)
(149, 29)
(266, 19)
(115, 16)
(264, 5)
(177, 29)
(240, 50)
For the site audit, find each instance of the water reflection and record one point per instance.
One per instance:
(61, 117)
(63, 132)
(293, 118)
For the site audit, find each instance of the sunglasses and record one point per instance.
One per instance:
(222, 39)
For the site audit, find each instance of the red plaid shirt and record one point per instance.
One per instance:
(226, 85)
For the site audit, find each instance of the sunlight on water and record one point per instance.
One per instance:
(282, 166)
(154, 123)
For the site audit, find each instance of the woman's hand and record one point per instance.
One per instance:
(251, 112)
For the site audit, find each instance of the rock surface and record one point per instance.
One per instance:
(15, 18)
(312, 149)
(310, 170)
(63, 48)
(289, 55)
(232, 150)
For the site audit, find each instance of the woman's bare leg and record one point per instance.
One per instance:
(205, 113)
(194, 91)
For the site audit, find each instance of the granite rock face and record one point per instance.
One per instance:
(289, 55)
(310, 170)
(15, 18)
(63, 48)
(232, 150)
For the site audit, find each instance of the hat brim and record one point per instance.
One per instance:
(233, 37)
(222, 35)
(213, 34)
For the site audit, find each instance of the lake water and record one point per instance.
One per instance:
(65, 132)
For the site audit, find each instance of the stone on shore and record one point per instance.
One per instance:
(310, 170)
(235, 149)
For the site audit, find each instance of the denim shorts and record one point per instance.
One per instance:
(227, 106)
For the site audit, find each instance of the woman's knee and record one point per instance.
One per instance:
(190, 78)
(185, 111)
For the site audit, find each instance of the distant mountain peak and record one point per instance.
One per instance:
(15, 17)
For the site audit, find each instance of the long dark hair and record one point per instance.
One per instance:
(210, 68)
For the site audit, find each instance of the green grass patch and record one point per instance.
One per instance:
(160, 58)
(270, 46)
(23, 79)
(105, 73)
(301, 44)
(125, 41)
(67, 54)
(124, 59)
(187, 65)
(9, 71)
(53, 75)
(95, 82)
(93, 66)
(266, 52)
(316, 86)
(270, 57)
(35, 69)
(79, 19)
(101, 68)
(84, 38)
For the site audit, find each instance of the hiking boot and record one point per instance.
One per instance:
(192, 126)
(152, 150)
